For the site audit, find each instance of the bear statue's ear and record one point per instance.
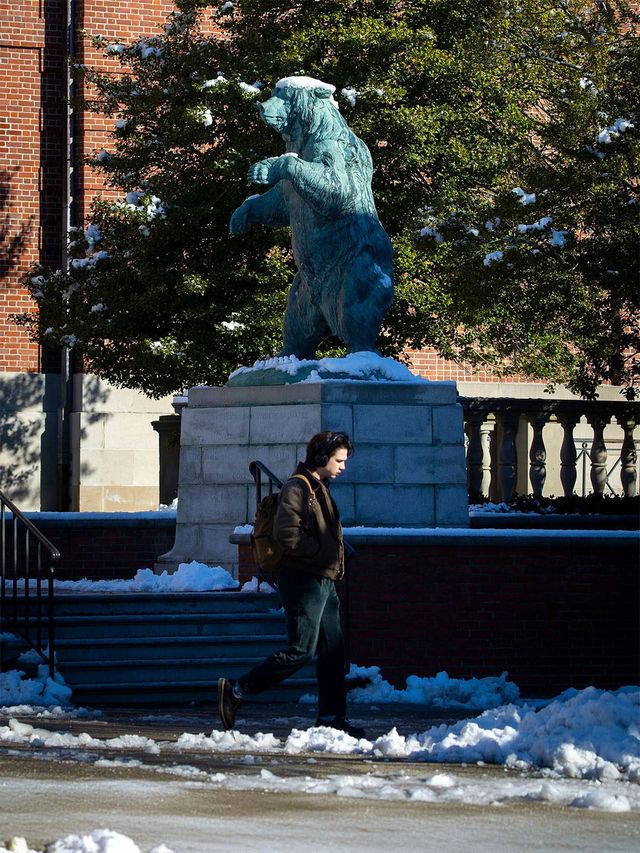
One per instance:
(321, 92)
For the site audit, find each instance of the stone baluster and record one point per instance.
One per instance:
(473, 429)
(507, 453)
(628, 457)
(598, 453)
(537, 453)
(485, 438)
(568, 453)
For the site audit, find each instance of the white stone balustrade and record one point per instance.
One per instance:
(503, 433)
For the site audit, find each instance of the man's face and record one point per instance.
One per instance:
(335, 465)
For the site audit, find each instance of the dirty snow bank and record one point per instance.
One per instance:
(587, 734)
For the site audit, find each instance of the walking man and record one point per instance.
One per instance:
(307, 525)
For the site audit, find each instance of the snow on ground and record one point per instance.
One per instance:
(589, 734)
(254, 585)
(188, 577)
(475, 694)
(19, 692)
(98, 841)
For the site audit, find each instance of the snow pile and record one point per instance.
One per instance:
(476, 694)
(98, 841)
(16, 690)
(590, 734)
(257, 586)
(232, 741)
(188, 577)
(359, 366)
(16, 732)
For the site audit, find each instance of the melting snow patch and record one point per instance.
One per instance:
(188, 577)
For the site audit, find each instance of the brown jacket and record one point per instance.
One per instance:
(307, 525)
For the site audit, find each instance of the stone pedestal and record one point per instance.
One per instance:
(408, 469)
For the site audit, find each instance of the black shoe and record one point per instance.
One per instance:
(228, 703)
(342, 725)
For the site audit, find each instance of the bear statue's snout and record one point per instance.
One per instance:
(273, 113)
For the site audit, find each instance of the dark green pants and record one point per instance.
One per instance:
(313, 625)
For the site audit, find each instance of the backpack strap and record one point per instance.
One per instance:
(312, 492)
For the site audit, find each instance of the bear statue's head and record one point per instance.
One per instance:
(301, 106)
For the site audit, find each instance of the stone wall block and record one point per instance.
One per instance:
(186, 544)
(395, 505)
(344, 496)
(207, 504)
(430, 465)
(448, 425)
(371, 463)
(145, 469)
(282, 424)
(126, 430)
(190, 464)
(401, 393)
(231, 464)
(451, 506)
(109, 468)
(215, 426)
(337, 418)
(392, 424)
(215, 548)
(88, 430)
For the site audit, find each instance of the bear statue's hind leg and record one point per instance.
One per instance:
(367, 296)
(304, 326)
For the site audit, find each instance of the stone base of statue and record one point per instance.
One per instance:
(408, 469)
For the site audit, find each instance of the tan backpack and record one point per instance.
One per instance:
(267, 553)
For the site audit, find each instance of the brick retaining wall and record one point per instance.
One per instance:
(100, 547)
(554, 612)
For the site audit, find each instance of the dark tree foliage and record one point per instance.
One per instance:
(505, 143)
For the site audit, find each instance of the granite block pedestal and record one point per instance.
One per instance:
(408, 469)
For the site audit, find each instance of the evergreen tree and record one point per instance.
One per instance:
(504, 139)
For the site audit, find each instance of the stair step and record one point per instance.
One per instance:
(171, 694)
(162, 624)
(98, 651)
(181, 602)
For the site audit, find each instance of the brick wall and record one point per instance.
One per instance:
(32, 81)
(104, 548)
(553, 616)
(33, 150)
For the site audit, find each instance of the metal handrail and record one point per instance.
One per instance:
(20, 622)
(257, 469)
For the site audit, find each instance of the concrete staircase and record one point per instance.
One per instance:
(167, 649)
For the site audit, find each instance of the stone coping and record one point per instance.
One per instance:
(466, 537)
(101, 519)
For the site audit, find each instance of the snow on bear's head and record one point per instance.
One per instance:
(300, 108)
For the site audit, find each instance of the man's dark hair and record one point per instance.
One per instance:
(323, 445)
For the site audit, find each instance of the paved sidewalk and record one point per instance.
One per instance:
(196, 799)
